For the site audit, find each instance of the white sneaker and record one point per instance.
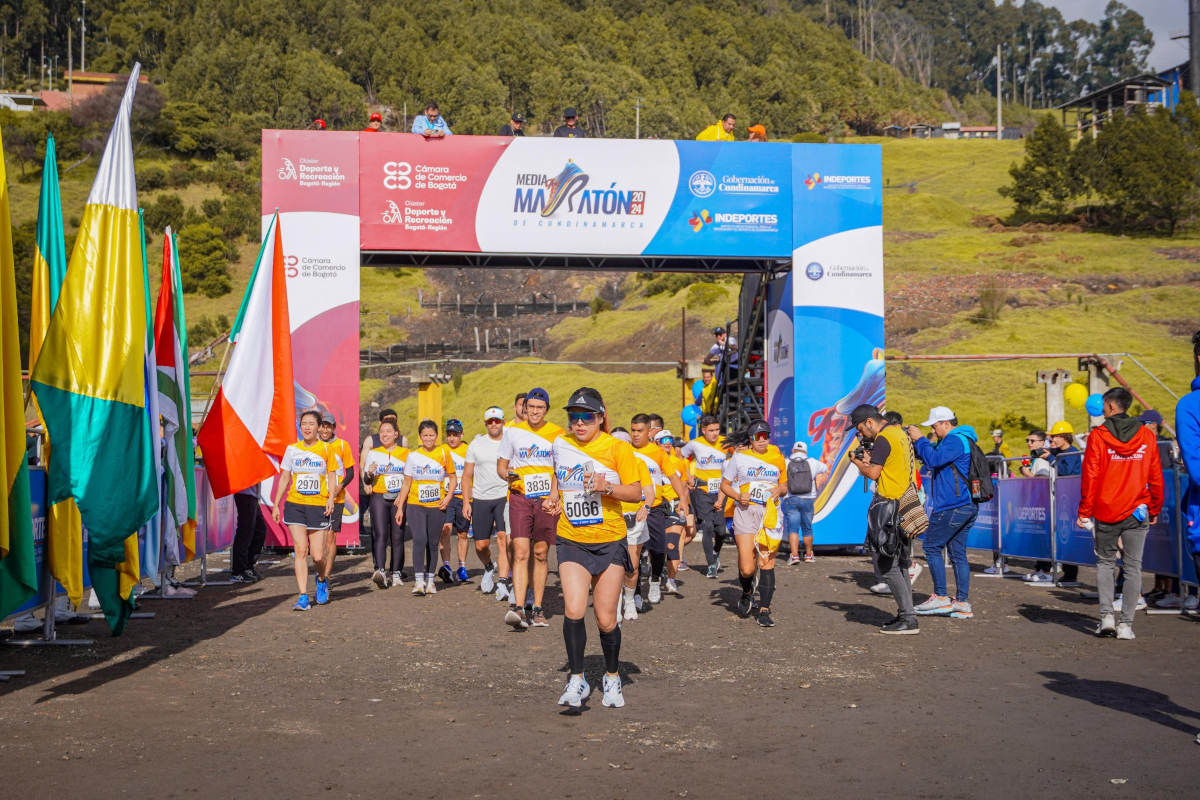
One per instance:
(630, 610)
(1169, 601)
(612, 692)
(27, 623)
(488, 581)
(638, 602)
(379, 577)
(501, 591)
(655, 592)
(1141, 603)
(397, 579)
(1108, 626)
(914, 572)
(1039, 577)
(577, 691)
(880, 588)
(996, 569)
(1125, 631)
(174, 590)
(671, 587)
(1191, 603)
(419, 585)
(430, 587)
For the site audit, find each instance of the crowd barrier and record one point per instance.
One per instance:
(1035, 518)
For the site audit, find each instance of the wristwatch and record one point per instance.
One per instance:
(608, 489)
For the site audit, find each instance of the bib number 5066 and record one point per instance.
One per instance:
(583, 509)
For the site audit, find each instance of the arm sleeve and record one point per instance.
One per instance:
(880, 452)
(818, 467)
(687, 451)
(506, 449)
(730, 472)
(470, 456)
(935, 457)
(446, 128)
(288, 463)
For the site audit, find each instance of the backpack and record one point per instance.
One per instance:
(979, 475)
(799, 477)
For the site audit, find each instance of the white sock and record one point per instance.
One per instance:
(628, 594)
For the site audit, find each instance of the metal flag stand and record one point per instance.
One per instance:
(49, 634)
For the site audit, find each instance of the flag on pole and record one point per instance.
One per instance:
(151, 534)
(174, 403)
(64, 528)
(18, 567)
(253, 419)
(90, 377)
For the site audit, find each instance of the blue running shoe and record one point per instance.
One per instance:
(302, 604)
(322, 592)
(461, 574)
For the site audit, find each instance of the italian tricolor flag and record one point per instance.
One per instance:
(253, 419)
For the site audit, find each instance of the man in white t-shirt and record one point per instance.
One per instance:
(798, 506)
(485, 495)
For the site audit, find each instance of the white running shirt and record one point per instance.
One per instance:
(486, 484)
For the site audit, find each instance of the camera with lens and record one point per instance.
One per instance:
(863, 448)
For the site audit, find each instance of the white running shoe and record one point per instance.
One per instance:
(1170, 600)
(655, 592)
(1125, 631)
(488, 581)
(516, 619)
(671, 587)
(430, 587)
(419, 585)
(612, 692)
(1039, 577)
(27, 623)
(577, 691)
(1191, 603)
(379, 577)
(397, 579)
(501, 591)
(630, 610)
(638, 602)
(914, 572)
(880, 588)
(1141, 603)
(996, 569)
(1107, 627)
(173, 589)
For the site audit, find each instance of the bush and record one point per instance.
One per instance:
(204, 260)
(598, 305)
(809, 138)
(180, 175)
(700, 295)
(239, 216)
(211, 208)
(991, 303)
(202, 331)
(151, 178)
(166, 210)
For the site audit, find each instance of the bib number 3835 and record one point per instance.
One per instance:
(537, 485)
(308, 485)
(582, 508)
(760, 493)
(429, 492)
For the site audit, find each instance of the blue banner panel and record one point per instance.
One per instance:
(1161, 555)
(1025, 517)
(1075, 544)
(733, 199)
(835, 188)
(780, 362)
(983, 534)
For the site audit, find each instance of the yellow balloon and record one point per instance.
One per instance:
(1076, 395)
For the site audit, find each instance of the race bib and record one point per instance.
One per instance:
(429, 492)
(308, 485)
(582, 508)
(393, 482)
(760, 493)
(537, 485)
(714, 485)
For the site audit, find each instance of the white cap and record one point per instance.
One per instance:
(800, 447)
(938, 414)
(495, 412)
(663, 434)
(623, 436)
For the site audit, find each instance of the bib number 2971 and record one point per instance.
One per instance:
(537, 485)
(392, 483)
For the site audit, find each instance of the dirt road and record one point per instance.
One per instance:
(382, 694)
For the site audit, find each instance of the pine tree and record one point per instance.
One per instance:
(1042, 182)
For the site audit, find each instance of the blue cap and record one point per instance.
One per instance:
(538, 394)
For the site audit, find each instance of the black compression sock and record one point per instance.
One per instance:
(610, 643)
(718, 543)
(766, 587)
(658, 561)
(489, 566)
(575, 636)
(747, 583)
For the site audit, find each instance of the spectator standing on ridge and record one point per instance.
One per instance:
(431, 125)
(571, 129)
(318, 125)
(1122, 491)
(373, 126)
(999, 446)
(515, 126)
(719, 131)
(757, 133)
(952, 512)
(721, 340)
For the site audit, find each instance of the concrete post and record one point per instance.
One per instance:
(1097, 384)
(1056, 381)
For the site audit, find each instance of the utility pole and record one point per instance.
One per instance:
(70, 69)
(1194, 45)
(637, 129)
(999, 94)
(83, 38)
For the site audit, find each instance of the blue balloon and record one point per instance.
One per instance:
(697, 390)
(1095, 405)
(690, 414)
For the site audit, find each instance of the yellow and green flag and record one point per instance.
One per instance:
(90, 378)
(64, 527)
(18, 568)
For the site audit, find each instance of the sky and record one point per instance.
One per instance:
(1162, 17)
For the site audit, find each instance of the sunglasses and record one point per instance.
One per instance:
(666, 440)
(495, 421)
(586, 417)
(762, 437)
(1031, 440)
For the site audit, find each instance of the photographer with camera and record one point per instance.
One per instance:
(890, 464)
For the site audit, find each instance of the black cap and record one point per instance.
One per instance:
(585, 401)
(454, 426)
(718, 331)
(759, 426)
(518, 117)
(327, 419)
(570, 112)
(862, 413)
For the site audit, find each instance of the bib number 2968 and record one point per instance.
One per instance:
(429, 492)
(537, 485)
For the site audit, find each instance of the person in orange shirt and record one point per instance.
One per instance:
(375, 124)
(344, 455)
(429, 481)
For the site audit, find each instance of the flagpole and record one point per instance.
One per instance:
(216, 382)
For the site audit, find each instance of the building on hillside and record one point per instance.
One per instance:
(84, 85)
(1087, 113)
(951, 130)
(917, 131)
(20, 102)
(1179, 80)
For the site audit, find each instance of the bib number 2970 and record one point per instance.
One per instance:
(308, 485)
(537, 485)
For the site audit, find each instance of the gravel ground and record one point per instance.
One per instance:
(382, 693)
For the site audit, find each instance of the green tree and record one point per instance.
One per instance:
(204, 260)
(1042, 182)
(166, 210)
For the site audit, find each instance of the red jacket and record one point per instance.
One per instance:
(1121, 471)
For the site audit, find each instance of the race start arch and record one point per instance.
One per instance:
(354, 199)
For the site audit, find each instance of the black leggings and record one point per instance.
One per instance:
(385, 530)
(711, 522)
(425, 523)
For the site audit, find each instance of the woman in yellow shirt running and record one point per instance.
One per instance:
(308, 471)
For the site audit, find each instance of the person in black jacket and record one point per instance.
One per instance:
(515, 125)
(571, 129)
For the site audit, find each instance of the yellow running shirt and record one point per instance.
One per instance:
(664, 469)
(428, 469)
(708, 462)
(591, 517)
(345, 459)
(314, 472)
(530, 455)
(644, 465)
(459, 454)
(388, 466)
